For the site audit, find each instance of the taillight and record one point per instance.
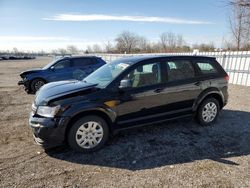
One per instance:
(226, 78)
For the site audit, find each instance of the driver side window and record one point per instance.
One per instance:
(62, 64)
(145, 75)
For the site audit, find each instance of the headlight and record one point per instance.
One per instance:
(47, 111)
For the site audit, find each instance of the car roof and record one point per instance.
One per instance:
(135, 59)
(76, 57)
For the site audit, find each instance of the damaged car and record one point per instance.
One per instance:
(128, 93)
(66, 68)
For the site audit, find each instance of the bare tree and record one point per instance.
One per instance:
(72, 49)
(171, 42)
(62, 51)
(164, 41)
(15, 51)
(243, 3)
(126, 42)
(97, 48)
(108, 47)
(240, 22)
(204, 47)
(89, 49)
(143, 44)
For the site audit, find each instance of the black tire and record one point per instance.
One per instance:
(201, 119)
(36, 84)
(72, 135)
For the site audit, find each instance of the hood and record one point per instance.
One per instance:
(30, 71)
(55, 90)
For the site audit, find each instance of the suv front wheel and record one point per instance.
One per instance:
(88, 134)
(208, 111)
(36, 84)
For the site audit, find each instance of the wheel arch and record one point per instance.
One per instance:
(86, 113)
(36, 78)
(211, 94)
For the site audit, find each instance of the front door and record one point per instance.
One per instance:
(140, 101)
(62, 70)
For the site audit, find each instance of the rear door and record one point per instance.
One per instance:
(211, 74)
(181, 86)
(83, 67)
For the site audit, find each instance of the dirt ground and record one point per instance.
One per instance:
(174, 154)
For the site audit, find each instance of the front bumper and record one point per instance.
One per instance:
(48, 132)
(26, 85)
(20, 83)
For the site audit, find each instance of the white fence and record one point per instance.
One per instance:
(237, 64)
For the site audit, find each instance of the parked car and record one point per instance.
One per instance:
(63, 69)
(128, 93)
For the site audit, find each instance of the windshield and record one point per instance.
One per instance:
(107, 73)
(52, 63)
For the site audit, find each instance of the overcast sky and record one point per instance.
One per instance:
(49, 24)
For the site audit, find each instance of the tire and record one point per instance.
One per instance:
(208, 111)
(88, 134)
(36, 84)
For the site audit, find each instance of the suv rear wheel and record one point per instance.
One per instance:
(208, 111)
(88, 134)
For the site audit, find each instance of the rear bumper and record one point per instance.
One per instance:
(48, 132)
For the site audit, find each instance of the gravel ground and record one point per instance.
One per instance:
(174, 154)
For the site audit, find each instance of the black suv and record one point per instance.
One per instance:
(127, 93)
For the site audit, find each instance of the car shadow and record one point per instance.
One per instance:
(170, 143)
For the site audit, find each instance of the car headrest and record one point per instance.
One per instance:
(139, 69)
(155, 69)
(185, 66)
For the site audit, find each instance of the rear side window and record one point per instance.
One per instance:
(179, 70)
(206, 68)
(80, 62)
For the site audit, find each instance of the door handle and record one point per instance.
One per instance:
(197, 83)
(158, 90)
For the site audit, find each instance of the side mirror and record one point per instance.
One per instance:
(52, 68)
(125, 84)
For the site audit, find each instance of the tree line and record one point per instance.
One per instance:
(130, 42)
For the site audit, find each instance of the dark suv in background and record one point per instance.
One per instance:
(65, 68)
(127, 93)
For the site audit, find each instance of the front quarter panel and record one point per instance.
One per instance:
(33, 76)
(88, 107)
(98, 102)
